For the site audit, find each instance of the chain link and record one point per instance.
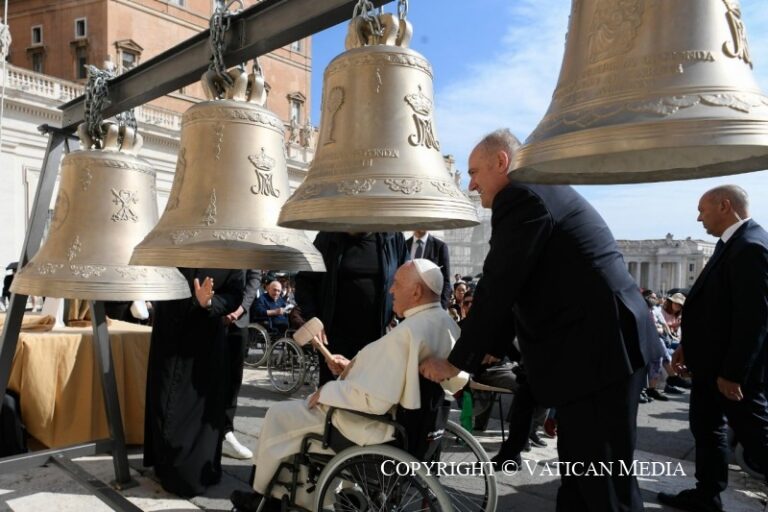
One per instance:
(366, 10)
(96, 97)
(220, 23)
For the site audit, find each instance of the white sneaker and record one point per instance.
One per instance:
(231, 447)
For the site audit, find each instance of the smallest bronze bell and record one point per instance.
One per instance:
(106, 204)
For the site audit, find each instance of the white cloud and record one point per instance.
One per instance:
(512, 87)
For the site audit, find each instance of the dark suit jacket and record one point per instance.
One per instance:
(252, 287)
(725, 317)
(436, 251)
(554, 276)
(316, 291)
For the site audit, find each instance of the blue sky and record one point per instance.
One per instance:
(496, 64)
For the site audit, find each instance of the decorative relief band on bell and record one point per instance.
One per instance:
(46, 269)
(124, 199)
(182, 235)
(355, 187)
(77, 161)
(87, 271)
(406, 186)
(410, 60)
(205, 112)
(658, 107)
(133, 273)
(239, 236)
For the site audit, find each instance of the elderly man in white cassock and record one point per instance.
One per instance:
(381, 376)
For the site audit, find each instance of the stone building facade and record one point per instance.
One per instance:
(665, 264)
(57, 37)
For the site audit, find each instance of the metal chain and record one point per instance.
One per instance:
(96, 97)
(366, 10)
(220, 22)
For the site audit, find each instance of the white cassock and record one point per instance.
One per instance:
(384, 373)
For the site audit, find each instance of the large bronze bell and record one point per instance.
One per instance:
(105, 205)
(650, 90)
(231, 180)
(378, 165)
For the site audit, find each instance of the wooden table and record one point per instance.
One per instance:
(60, 390)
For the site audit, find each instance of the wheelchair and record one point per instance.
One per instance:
(354, 479)
(290, 366)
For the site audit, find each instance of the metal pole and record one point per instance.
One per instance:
(102, 351)
(39, 215)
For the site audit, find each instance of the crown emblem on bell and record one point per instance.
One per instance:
(650, 91)
(378, 165)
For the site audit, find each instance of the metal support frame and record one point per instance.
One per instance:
(261, 28)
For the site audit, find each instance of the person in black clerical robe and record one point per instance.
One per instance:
(187, 382)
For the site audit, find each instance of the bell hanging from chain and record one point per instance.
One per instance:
(231, 180)
(105, 205)
(650, 90)
(378, 165)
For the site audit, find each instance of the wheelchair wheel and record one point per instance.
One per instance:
(470, 481)
(355, 480)
(748, 463)
(257, 346)
(286, 365)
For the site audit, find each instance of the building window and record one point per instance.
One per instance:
(81, 28)
(691, 267)
(177, 2)
(128, 60)
(37, 62)
(295, 110)
(297, 46)
(81, 59)
(296, 102)
(37, 35)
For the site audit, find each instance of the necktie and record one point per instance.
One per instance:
(718, 247)
(419, 249)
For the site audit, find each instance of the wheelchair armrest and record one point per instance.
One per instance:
(384, 418)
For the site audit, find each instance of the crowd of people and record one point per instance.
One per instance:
(393, 316)
(385, 298)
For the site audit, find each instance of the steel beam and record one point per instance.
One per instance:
(260, 29)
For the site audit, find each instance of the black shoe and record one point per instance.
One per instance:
(673, 390)
(692, 501)
(644, 398)
(508, 464)
(245, 501)
(536, 440)
(676, 380)
(527, 447)
(656, 394)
